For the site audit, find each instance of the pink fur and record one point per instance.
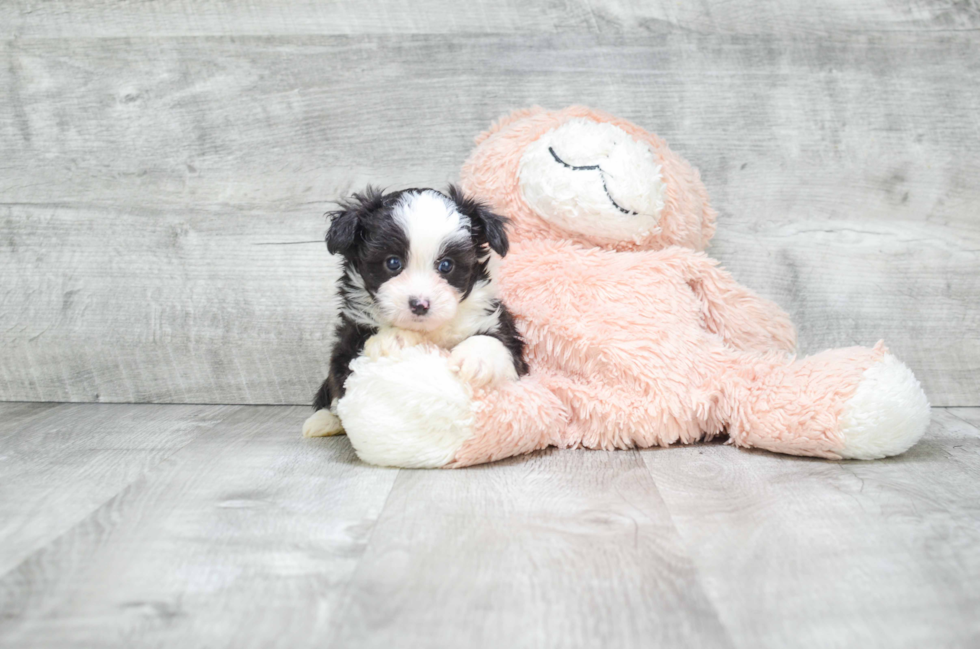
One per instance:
(523, 416)
(491, 173)
(638, 345)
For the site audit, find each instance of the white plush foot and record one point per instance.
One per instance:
(406, 411)
(482, 361)
(322, 423)
(391, 341)
(888, 413)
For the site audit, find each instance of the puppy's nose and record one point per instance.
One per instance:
(418, 306)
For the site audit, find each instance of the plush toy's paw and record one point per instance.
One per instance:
(391, 341)
(322, 423)
(888, 413)
(482, 361)
(406, 411)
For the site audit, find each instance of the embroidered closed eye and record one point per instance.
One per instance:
(602, 175)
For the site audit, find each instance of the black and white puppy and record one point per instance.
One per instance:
(417, 269)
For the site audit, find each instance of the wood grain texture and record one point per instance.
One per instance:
(225, 528)
(196, 306)
(75, 458)
(807, 553)
(15, 415)
(969, 415)
(245, 537)
(140, 177)
(37, 18)
(560, 549)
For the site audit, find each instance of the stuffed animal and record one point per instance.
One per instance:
(634, 337)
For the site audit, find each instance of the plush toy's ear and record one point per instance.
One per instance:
(346, 223)
(487, 227)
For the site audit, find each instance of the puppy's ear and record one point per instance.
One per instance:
(486, 226)
(346, 223)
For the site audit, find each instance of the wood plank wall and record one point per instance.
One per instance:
(165, 167)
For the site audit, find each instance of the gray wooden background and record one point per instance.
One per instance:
(165, 167)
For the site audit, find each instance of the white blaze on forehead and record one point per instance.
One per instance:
(620, 199)
(429, 220)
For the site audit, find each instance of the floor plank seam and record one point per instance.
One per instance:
(957, 416)
(685, 543)
(344, 594)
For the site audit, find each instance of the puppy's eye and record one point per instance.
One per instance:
(394, 264)
(446, 266)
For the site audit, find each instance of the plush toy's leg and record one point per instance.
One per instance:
(853, 403)
(407, 409)
(514, 418)
(411, 410)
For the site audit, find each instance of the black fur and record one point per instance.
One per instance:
(364, 232)
(507, 334)
(350, 341)
(488, 228)
(468, 268)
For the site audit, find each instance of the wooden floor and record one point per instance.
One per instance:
(166, 167)
(187, 526)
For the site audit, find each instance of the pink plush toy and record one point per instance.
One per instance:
(634, 337)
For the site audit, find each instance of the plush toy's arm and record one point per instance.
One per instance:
(743, 319)
(539, 280)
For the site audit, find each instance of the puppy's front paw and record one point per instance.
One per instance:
(322, 423)
(482, 361)
(389, 342)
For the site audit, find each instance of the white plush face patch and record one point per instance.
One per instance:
(593, 179)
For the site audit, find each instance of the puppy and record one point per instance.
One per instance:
(417, 270)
